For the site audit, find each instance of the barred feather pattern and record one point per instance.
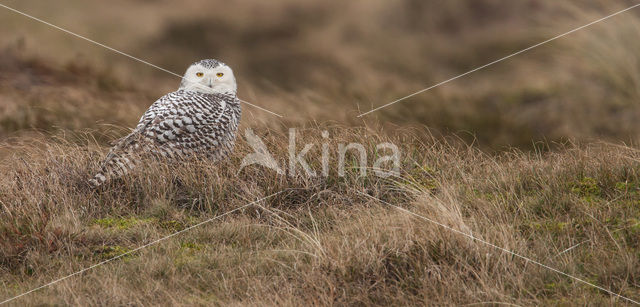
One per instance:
(180, 125)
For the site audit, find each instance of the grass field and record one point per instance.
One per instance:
(536, 155)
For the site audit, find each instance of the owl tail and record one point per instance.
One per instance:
(113, 167)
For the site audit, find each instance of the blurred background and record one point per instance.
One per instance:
(319, 62)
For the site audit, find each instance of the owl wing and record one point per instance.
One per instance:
(173, 126)
(187, 124)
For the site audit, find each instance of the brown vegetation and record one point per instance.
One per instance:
(564, 194)
(321, 240)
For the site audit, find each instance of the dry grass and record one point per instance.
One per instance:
(321, 240)
(574, 205)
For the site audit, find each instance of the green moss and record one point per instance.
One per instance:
(588, 188)
(172, 225)
(622, 186)
(629, 189)
(108, 252)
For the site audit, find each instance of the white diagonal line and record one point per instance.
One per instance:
(115, 50)
(260, 108)
(572, 247)
(498, 61)
(139, 248)
(89, 40)
(500, 248)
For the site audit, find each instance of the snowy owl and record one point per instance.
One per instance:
(199, 119)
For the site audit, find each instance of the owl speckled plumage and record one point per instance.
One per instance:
(199, 119)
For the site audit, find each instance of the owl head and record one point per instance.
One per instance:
(209, 77)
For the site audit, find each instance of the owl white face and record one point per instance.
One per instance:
(209, 80)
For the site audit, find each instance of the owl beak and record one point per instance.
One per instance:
(211, 82)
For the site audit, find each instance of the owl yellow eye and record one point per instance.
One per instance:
(199, 74)
(219, 74)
